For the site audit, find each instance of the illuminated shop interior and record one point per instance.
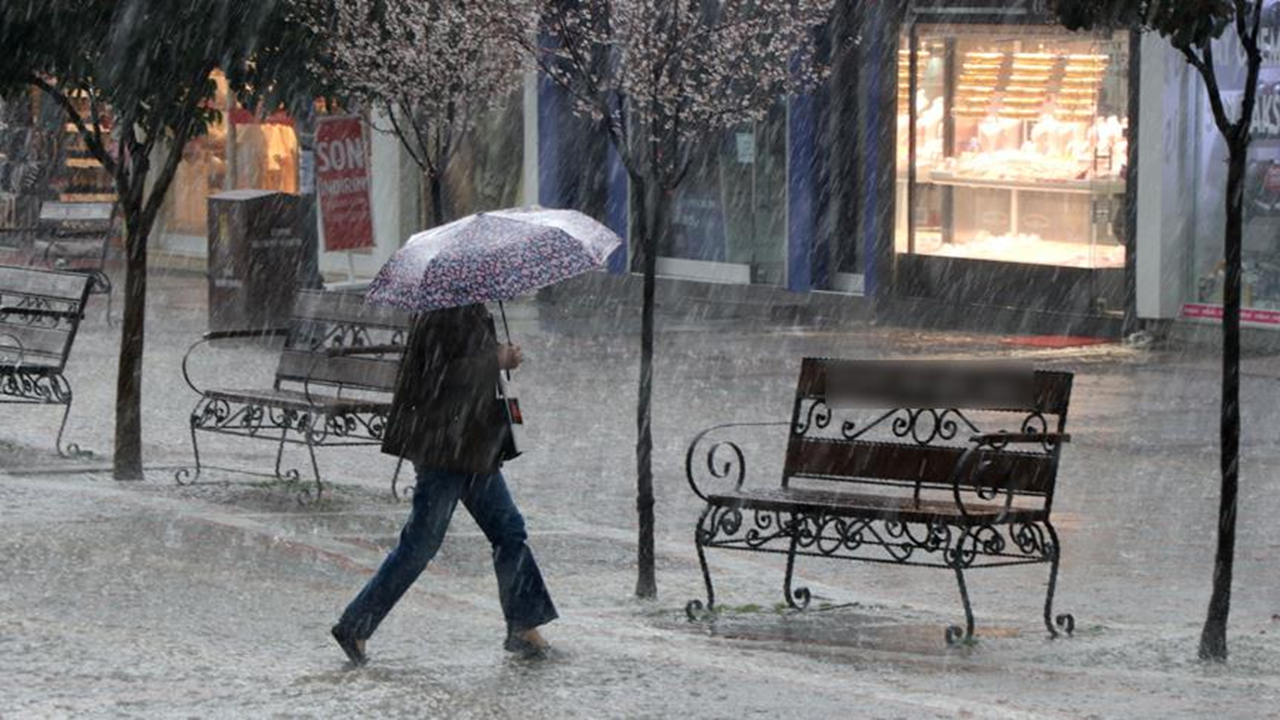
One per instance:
(1015, 146)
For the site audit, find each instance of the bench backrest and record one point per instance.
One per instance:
(904, 426)
(43, 341)
(77, 232)
(77, 220)
(323, 320)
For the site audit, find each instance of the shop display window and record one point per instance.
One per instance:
(1012, 143)
(239, 151)
(1260, 278)
(731, 205)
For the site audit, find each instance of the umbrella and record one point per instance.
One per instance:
(491, 256)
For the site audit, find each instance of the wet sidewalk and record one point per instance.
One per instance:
(215, 600)
(150, 601)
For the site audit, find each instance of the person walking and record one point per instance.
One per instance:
(447, 419)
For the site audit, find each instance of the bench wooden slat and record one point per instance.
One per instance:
(904, 509)
(18, 281)
(37, 341)
(353, 371)
(344, 308)
(101, 213)
(836, 459)
(1050, 392)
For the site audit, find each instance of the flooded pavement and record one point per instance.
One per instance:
(149, 599)
(139, 600)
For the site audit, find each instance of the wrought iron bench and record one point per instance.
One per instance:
(875, 472)
(40, 313)
(76, 237)
(332, 387)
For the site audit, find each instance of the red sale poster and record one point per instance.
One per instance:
(342, 183)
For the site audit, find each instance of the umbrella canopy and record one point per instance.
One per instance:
(492, 256)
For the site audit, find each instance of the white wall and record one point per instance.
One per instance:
(1167, 171)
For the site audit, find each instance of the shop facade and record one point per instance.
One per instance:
(1003, 182)
(1012, 155)
(243, 150)
(968, 153)
(773, 204)
(1181, 276)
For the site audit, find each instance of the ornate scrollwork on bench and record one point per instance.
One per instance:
(944, 487)
(332, 387)
(40, 312)
(19, 385)
(928, 544)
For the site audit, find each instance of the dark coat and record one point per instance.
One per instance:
(445, 414)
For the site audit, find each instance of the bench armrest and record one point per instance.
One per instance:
(41, 312)
(972, 461)
(363, 350)
(229, 334)
(224, 335)
(720, 458)
(999, 440)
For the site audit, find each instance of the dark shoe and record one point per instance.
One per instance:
(528, 644)
(351, 645)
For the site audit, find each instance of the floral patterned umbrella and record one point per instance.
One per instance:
(491, 256)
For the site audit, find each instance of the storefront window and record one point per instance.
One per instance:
(1016, 146)
(202, 172)
(1261, 248)
(266, 152)
(731, 207)
(239, 151)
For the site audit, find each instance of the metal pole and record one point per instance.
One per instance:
(502, 310)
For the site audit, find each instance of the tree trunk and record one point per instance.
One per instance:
(648, 202)
(435, 185)
(1213, 639)
(309, 226)
(140, 211)
(128, 445)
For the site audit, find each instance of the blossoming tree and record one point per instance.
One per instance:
(662, 78)
(430, 68)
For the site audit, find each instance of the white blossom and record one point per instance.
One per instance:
(431, 66)
(664, 75)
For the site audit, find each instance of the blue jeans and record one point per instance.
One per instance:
(525, 601)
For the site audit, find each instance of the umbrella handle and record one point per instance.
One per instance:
(503, 311)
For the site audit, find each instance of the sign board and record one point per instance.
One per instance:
(241, 116)
(342, 183)
(1252, 316)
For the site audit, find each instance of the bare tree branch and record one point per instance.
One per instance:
(404, 140)
(1205, 67)
(424, 60)
(189, 116)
